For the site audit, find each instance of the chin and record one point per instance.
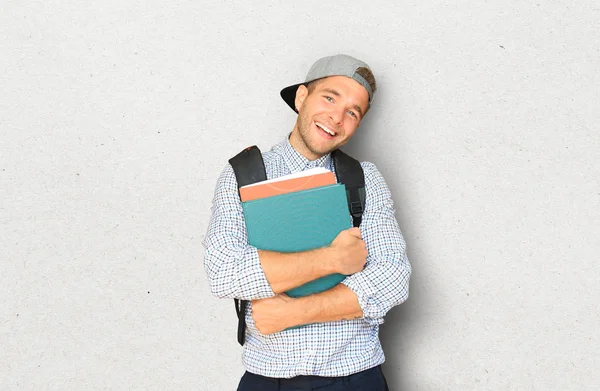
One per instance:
(324, 151)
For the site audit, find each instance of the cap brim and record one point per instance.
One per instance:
(289, 95)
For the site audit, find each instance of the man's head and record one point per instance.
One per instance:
(332, 101)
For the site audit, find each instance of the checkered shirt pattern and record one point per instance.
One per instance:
(335, 348)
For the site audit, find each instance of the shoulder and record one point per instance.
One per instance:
(227, 178)
(371, 172)
(369, 168)
(375, 184)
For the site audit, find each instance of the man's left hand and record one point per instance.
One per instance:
(272, 315)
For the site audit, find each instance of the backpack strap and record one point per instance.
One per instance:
(249, 168)
(349, 172)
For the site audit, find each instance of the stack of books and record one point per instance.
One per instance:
(297, 212)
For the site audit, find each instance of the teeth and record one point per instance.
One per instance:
(325, 128)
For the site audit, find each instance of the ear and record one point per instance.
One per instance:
(301, 94)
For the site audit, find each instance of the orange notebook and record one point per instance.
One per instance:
(308, 179)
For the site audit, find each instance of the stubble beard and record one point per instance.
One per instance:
(304, 132)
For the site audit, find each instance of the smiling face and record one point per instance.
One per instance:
(328, 116)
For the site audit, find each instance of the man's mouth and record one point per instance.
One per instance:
(325, 129)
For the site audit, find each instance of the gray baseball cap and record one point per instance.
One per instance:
(338, 65)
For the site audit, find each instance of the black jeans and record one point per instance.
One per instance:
(369, 380)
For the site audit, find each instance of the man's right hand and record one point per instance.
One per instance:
(350, 251)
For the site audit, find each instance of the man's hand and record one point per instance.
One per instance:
(350, 251)
(272, 315)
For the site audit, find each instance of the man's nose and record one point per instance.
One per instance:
(337, 115)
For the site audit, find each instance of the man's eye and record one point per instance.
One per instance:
(330, 99)
(352, 113)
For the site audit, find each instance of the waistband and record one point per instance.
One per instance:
(309, 381)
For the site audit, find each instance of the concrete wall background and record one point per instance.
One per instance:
(117, 117)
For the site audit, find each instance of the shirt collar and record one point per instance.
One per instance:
(296, 162)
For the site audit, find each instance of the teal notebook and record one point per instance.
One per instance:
(299, 221)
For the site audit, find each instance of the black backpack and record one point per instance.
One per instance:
(249, 168)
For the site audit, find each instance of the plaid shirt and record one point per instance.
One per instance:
(324, 349)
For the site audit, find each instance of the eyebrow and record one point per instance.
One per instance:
(334, 92)
(331, 91)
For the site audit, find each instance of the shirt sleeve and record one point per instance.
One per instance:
(232, 265)
(384, 282)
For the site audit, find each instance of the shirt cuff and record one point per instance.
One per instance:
(372, 309)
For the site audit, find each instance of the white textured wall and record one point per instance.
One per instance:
(116, 118)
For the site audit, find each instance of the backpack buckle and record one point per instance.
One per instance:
(356, 208)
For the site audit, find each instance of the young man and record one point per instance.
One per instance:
(340, 348)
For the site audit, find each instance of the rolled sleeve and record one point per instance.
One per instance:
(232, 265)
(384, 283)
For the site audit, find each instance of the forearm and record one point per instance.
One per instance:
(285, 271)
(338, 303)
(367, 295)
(279, 312)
